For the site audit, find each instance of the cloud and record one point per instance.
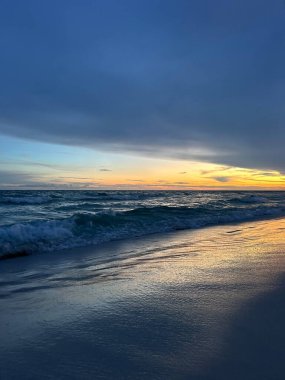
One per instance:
(15, 178)
(267, 174)
(105, 170)
(198, 80)
(217, 169)
(24, 180)
(134, 180)
(222, 179)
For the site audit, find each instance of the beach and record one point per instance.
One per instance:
(195, 304)
(142, 179)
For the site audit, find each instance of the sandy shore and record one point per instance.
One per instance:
(204, 304)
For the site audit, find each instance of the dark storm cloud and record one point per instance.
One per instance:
(196, 79)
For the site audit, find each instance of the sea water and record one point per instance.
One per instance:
(42, 221)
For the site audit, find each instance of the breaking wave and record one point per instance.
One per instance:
(85, 229)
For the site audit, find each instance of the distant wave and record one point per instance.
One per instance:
(120, 196)
(77, 196)
(250, 199)
(85, 229)
(25, 200)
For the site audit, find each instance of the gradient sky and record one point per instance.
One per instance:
(142, 94)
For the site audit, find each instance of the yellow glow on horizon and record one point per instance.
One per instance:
(43, 165)
(148, 173)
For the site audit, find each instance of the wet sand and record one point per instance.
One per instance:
(203, 304)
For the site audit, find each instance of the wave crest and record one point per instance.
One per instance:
(84, 229)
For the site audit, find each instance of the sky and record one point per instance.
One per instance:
(142, 94)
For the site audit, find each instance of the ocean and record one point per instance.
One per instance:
(111, 290)
(43, 221)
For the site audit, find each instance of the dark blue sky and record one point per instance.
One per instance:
(197, 79)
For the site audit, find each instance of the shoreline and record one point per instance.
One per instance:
(177, 305)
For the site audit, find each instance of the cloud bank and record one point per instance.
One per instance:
(196, 79)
